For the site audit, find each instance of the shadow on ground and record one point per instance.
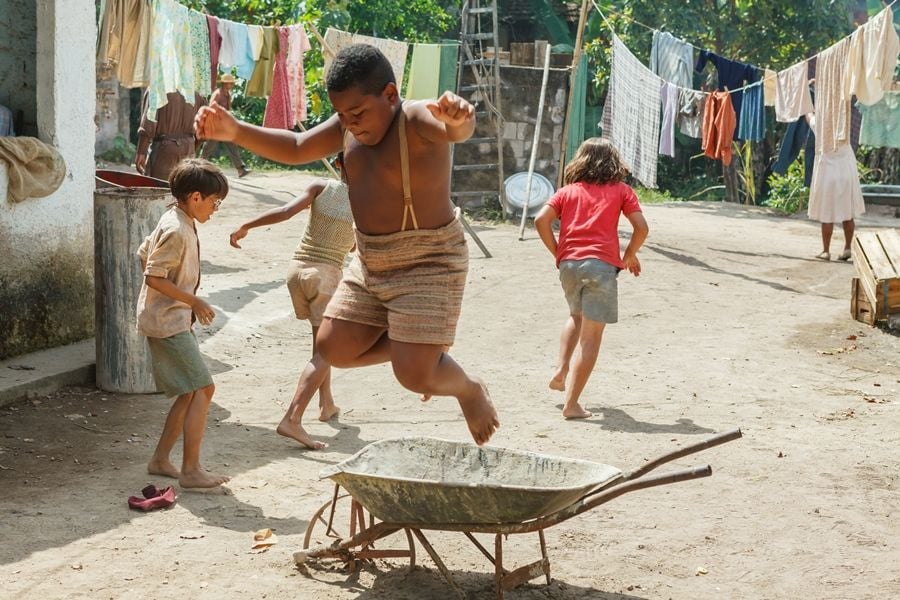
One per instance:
(58, 452)
(399, 583)
(614, 419)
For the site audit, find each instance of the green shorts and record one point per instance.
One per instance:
(178, 367)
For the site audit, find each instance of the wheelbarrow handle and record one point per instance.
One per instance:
(691, 449)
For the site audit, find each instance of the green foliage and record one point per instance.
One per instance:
(649, 196)
(744, 154)
(122, 151)
(787, 193)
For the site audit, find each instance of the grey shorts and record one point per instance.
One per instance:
(591, 289)
(178, 367)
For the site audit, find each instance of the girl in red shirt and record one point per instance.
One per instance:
(587, 255)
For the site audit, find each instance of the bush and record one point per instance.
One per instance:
(787, 193)
(122, 152)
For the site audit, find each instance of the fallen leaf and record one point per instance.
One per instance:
(76, 566)
(701, 571)
(191, 535)
(851, 337)
(262, 539)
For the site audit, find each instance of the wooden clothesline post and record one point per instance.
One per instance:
(576, 59)
(535, 144)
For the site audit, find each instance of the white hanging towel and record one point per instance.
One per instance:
(874, 48)
(792, 97)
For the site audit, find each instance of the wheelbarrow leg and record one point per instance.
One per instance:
(498, 565)
(545, 561)
(437, 561)
(412, 550)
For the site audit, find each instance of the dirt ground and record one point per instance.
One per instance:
(731, 324)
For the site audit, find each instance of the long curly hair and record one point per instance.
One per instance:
(596, 161)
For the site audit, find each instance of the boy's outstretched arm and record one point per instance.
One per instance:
(448, 119)
(215, 123)
(278, 214)
(638, 235)
(543, 222)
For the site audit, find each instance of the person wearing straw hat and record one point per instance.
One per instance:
(222, 96)
(167, 137)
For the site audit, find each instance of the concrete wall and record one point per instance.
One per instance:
(46, 244)
(18, 62)
(521, 91)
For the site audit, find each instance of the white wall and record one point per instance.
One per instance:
(46, 275)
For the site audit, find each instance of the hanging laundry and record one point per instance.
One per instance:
(731, 75)
(215, 43)
(335, 41)
(236, 50)
(260, 84)
(394, 51)
(718, 127)
(672, 59)
(874, 48)
(631, 113)
(752, 121)
(669, 99)
(792, 97)
(432, 71)
(124, 39)
(798, 137)
(832, 107)
(257, 38)
(881, 122)
(169, 62)
(690, 112)
(298, 44)
(279, 112)
(200, 53)
(770, 82)
(424, 72)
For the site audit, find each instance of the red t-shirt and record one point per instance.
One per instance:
(589, 220)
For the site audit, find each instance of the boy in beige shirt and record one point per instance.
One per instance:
(166, 310)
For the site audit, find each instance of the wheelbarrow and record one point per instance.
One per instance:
(416, 484)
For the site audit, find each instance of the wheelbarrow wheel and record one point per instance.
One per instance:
(343, 511)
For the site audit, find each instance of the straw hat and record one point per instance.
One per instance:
(227, 78)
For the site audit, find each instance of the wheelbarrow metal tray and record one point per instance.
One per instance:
(420, 480)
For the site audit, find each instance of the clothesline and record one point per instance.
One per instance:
(741, 89)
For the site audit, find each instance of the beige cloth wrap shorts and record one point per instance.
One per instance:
(410, 283)
(312, 284)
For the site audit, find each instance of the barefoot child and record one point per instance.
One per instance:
(166, 310)
(400, 299)
(314, 274)
(587, 255)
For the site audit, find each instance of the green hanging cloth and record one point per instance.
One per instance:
(579, 103)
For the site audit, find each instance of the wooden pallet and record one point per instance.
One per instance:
(877, 259)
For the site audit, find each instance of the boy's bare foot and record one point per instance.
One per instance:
(480, 414)
(296, 432)
(558, 383)
(201, 479)
(327, 413)
(163, 467)
(576, 412)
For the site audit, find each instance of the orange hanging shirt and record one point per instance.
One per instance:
(719, 122)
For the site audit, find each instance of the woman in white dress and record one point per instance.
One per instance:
(835, 195)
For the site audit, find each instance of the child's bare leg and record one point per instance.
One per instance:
(427, 369)
(827, 230)
(327, 408)
(582, 366)
(345, 344)
(848, 226)
(310, 380)
(568, 339)
(160, 464)
(192, 474)
(427, 397)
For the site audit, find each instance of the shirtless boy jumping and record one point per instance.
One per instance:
(401, 297)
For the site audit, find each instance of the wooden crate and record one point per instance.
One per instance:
(877, 259)
(860, 308)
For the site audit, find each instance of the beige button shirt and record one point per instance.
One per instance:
(171, 251)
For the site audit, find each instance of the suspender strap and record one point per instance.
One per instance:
(404, 174)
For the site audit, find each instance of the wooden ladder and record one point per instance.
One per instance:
(478, 81)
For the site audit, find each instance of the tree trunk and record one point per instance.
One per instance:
(886, 163)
